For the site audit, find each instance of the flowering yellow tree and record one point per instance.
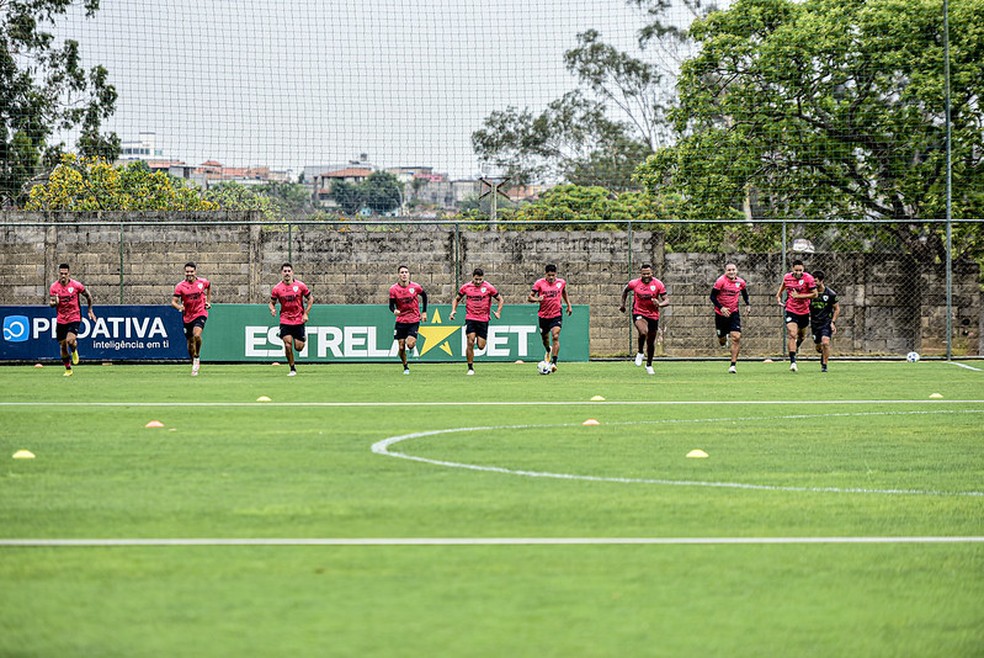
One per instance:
(91, 184)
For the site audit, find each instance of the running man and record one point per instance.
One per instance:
(478, 295)
(548, 292)
(800, 288)
(292, 295)
(648, 296)
(824, 311)
(63, 295)
(193, 297)
(405, 299)
(727, 320)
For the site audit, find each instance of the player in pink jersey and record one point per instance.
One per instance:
(478, 296)
(193, 297)
(548, 292)
(648, 296)
(292, 295)
(63, 296)
(727, 319)
(405, 299)
(800, 288)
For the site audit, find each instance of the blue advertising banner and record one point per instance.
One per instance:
(120, 333)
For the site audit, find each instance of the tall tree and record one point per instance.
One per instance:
(830, 109)
(44, 88)
(597, 133)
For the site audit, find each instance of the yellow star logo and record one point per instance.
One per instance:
(436, 336)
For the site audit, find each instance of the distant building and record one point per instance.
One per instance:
(324, 181)
(145, 148)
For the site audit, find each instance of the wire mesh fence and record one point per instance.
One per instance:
(895, 291)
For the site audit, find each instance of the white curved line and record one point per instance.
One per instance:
(382, 448)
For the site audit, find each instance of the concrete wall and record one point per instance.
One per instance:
(890, 304)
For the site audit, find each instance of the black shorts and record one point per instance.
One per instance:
(546, 324)
(652, 324)
(405, 329)
(802, 320)
(477, 327)
(726, 325)
(63, 330)
(190, 326)
(294, 330)
(821, 330)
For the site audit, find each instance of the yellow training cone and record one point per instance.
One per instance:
(275, 363)
(697, 454)
(38, 365)
(597, 398)
(936, 396)
(591, 421)
(263, 398)
(23, 454)
(767, 361)
(154, 423)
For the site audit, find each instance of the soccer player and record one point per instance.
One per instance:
(193, 297)
(405, 299)
(549, 291)
(824, 311)
(478, 295)
(63, 295)
(727, 320)
(648, 296)
(800, 288)
(295, 307)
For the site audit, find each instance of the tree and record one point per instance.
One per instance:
(43, 88)
(91, 184)
(829, 109)
(576, 139)
(380, 192)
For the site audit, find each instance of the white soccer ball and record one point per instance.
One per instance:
(544, 368)
(912, 357)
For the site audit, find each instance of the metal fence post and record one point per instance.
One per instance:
(122, 278)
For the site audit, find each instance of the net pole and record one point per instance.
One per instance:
(949, 183)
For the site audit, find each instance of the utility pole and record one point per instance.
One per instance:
(495, 185)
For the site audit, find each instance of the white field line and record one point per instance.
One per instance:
(473, 403)
(474, 541)
(964, 365)
(383, 448)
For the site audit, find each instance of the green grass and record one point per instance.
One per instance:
(824, 450)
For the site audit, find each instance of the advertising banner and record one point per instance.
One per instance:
(120, 333)
(336, 333)
(364, 332)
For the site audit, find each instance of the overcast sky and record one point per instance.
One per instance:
(291, 84)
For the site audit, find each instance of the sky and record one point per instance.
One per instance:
(290, 84)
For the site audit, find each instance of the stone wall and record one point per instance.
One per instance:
(889, 304)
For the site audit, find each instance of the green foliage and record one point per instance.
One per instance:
(380, 193)
(829, 109)
(231, 195)
(91, 184)
(43, 88)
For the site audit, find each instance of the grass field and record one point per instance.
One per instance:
(441, 515)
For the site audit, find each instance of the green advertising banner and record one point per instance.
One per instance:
(364, 333)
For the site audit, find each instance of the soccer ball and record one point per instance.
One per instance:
(544, 368)
(912, 357)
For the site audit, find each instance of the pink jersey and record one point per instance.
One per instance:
(644, 296)
(193, 296)
(407, 302)
(551, 295)
(802, 286)
(69, 309)
(478, 300)
(728, 292)
(291, 297)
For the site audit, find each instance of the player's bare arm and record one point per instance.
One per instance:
(498, 310)
(454, 306)
(176, 303)
(563, 294)
(625, 295)
(88, 300)
(307, 309)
